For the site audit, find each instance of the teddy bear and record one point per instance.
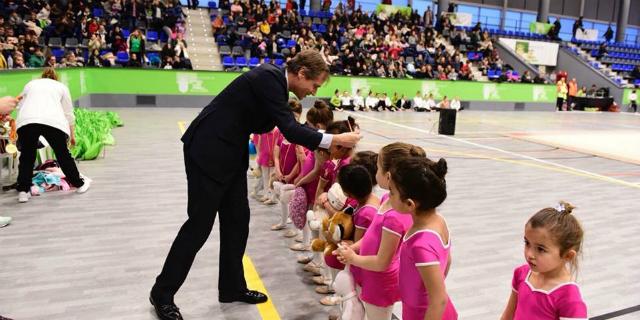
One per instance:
(334, 230)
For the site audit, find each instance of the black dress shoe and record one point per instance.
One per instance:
(166, 311)
(249, 296)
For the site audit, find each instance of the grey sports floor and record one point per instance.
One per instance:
(95, 256)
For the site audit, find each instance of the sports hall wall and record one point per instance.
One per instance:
(99, 87)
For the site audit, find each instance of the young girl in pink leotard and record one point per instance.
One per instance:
(377, 264)
(417, 188)
(544, 287)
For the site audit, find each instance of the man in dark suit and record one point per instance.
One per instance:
(216, 160)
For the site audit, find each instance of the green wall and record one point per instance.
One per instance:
(83, 81)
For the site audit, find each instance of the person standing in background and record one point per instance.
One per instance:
(46, 111)
(573, 92)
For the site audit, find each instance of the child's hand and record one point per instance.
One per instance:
(278, 174)
(345, 253)
(288, 178)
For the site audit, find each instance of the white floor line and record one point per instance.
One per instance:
(495, 149)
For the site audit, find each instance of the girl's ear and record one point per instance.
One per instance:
(570, 255)
(412, 205)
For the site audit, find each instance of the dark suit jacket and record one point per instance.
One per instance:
(254, 102)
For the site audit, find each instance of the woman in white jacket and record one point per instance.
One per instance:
(46, 110)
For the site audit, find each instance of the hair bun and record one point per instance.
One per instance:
(416, 151)
(440, 168)
(565, 207)
(319, 104)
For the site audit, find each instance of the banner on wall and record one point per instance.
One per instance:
(387, 10)
(462, 19)
(84, 81)
(534, 52)
(539, 27)
(587, 34)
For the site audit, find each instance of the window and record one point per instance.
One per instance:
(472, 10)
(631, 35)
(490, 18)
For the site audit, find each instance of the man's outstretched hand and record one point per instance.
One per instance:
(347, 140)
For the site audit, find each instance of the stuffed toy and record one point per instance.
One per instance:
(351, 307)
(336, 199)
(336, 229)
(298, 208)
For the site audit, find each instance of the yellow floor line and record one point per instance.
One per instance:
(267, 310)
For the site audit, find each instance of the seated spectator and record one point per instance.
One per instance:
(236, 9)
(70, 60)
(371, 102)
(526, 77)
(455, 104)
(134, 61)
(429, 102)
(418, 102)
(51, 62)
(36, 60)
(358, 101)
(335, 102)
(403, 103)
(592, 91)
(635, 74)
(345, 101)
(443, 104)
(602, 50)
(18, 61)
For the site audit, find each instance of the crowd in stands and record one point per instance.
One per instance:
(73, 33)
(358, 43)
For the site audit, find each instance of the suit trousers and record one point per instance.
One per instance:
(206, 197)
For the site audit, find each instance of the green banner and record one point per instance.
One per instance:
(84, 81)
(539, 27)
(391, 9)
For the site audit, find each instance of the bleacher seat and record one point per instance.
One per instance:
(125, 33)
(237, 51)
(58, 53)
(212, 5)
(71, 43)
(254, 62)
(152, 36)
(322, 28)
(227, 62)
(241, 62)
(291, 43)
(55, 42)
(267, 60)
(122, 57)
(84, 44)
(154, 58)
(98, 13)
(278, 62)
(225, 50)
(164, 37)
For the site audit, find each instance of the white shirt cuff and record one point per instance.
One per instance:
(325, 143)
